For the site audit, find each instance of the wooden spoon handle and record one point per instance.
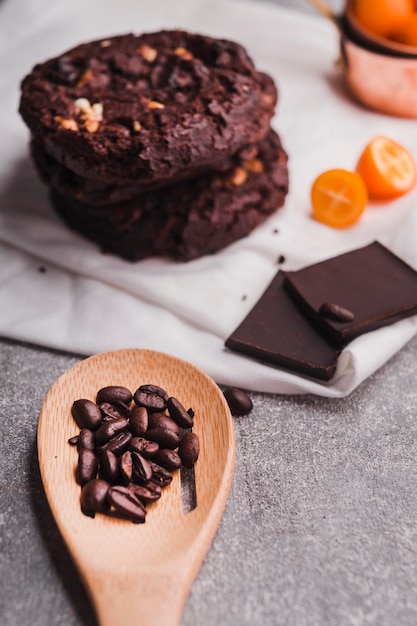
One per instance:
(153, 598)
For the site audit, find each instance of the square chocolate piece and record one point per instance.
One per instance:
(355, 292)
(276, 332)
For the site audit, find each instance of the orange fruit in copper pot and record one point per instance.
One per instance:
(407, 34)
(382, 17)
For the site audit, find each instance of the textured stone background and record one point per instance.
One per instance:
(320, 527)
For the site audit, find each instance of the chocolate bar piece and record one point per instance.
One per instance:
(276, 332)
(355, 292)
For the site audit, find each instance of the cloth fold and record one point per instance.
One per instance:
(60, 291)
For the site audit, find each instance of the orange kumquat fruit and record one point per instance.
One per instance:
(338, 198)
(407, 34)
(382, 17)
(387, 169)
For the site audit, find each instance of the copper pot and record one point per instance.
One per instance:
(379, 73)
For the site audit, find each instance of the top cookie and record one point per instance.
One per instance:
(147, 109)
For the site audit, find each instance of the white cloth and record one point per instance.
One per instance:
(87, 302)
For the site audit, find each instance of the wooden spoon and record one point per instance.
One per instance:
(138, 574)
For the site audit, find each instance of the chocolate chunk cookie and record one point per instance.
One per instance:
(191, 218)
(147, 109)
(67, 183)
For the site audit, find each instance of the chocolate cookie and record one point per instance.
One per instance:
(67, 183)
(147, 109)
(189, 219)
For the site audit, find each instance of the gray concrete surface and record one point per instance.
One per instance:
(320, 528)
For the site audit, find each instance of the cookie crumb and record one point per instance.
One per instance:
(281, 259)
(244, 297)
(42, 269)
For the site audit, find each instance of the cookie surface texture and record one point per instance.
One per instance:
(147, 109)
(189, 219)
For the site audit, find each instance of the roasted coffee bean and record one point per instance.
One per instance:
(169, 459)
(146, 448)
(189, 449)
(165, 438)
(86, 439)
(141, 468)
(126, 467)
(155, 389)
(238, 401)
(160, 475)
(161, 420)
(151, 397)
(336, 312)
(86, 414)
(127, 503)
(146, 493)
(87, 466)
(179, 414)
(109, 467)
(120, 443)
(131, 448)
(114, 394)
(114, 411)
(108, 430)
(138, 423)
(94, 497)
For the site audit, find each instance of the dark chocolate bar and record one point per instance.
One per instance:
(355, 292)
(276, 332)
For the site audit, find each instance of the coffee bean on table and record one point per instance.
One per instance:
(86, 414)
(94, 497)
(238, 401)
(114, 394)
(189, 449)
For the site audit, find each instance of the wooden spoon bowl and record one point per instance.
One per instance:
(138, 574)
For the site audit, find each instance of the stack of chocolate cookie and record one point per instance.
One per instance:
(156, 145)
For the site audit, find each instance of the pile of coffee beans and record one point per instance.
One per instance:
(129, 445)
